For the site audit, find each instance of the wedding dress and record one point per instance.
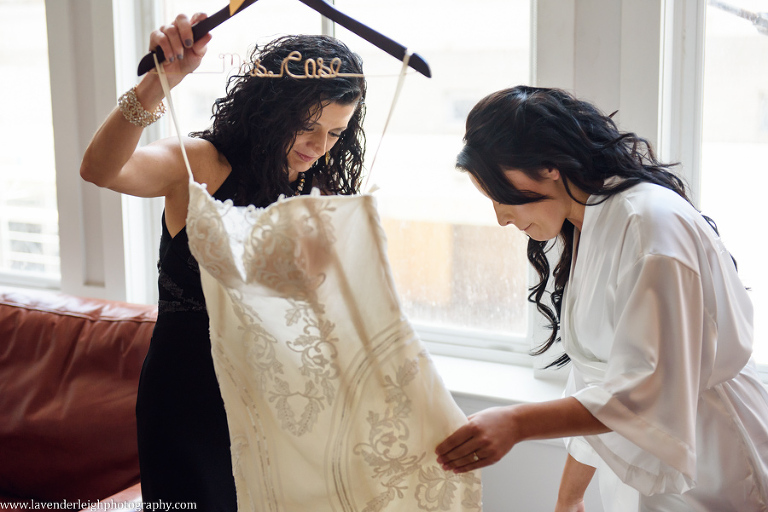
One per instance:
(333, 403)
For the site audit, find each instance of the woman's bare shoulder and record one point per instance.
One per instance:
(208, 165)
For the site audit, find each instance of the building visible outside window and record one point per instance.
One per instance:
(735, 142)
(29, 241)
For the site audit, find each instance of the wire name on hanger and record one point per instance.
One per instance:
(313, 68)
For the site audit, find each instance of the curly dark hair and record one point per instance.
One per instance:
(532, 129)
(256, 123)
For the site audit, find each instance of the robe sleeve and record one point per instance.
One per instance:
(650, 392)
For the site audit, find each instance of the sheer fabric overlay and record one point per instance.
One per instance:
(332, 401)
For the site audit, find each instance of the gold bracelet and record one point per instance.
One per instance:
(133, 111)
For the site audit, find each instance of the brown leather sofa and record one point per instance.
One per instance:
(69, 371)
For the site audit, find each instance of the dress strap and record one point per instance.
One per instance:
(167, 92)
(398, 88)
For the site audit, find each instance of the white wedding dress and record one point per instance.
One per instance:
(332, 401)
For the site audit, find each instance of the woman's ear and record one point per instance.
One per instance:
(551, 173)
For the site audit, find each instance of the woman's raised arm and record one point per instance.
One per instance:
(112, 159)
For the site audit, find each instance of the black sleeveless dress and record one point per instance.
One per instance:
(183, 437)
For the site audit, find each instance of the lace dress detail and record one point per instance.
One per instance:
(332, 402)
(173, 297)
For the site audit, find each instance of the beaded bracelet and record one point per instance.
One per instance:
(133, 111)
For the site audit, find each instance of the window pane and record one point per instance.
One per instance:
(453, 265)
(29, 240)
(735, 142)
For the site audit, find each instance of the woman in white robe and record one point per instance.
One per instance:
(662, 397)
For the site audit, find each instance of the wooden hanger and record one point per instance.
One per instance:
(377, 39)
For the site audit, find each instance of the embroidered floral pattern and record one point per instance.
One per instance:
(205, 231)
(278, 258)
(437, 489)
(387, 453)
(317, 347)
(282, 254)
(285, 253)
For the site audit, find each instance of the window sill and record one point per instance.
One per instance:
(497, 383)
(488, 384)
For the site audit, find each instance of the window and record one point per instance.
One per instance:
(444, 244)
(445, 247)
(734, 173)
(29, 241)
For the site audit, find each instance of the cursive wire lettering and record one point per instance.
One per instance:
(313, 68)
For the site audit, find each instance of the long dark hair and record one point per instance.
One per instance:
(256, 123)
(532, 129)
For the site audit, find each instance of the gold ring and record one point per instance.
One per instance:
(475, 457)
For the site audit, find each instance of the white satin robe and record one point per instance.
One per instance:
(659, 329)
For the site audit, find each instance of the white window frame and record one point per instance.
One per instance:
(81, 57)
(643, 59)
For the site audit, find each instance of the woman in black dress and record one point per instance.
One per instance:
(269, 136)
